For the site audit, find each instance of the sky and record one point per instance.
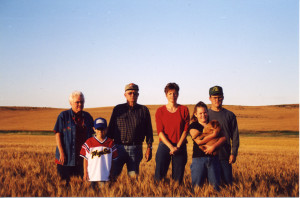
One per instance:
(50, 48)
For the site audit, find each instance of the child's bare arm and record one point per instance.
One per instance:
(85, 170)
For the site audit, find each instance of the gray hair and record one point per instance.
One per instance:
(75, 93)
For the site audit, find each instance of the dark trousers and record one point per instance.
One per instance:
(226, 172)
(65, 172)
(163, 159)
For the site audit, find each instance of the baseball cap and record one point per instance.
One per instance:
(100, 123)
(216, 90)
(131, 86)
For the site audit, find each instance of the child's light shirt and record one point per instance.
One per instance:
(99, 156)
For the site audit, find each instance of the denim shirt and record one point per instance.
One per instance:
(65, 125)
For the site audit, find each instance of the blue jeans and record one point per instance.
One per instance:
(129, 155)
(163, 159)
(206, 167)
(226, 172)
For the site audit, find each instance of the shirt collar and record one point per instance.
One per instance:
(99, 140)
(132, 108)
(74, 114)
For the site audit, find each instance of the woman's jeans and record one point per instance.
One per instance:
(163, 159)
(206, 167)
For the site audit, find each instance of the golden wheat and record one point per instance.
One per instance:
(265, 166)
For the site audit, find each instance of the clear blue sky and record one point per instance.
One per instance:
(50, 48)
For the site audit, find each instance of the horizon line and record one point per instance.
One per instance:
(291, 104)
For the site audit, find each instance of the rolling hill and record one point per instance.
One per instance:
(250, 118)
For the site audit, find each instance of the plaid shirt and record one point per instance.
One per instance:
(130, 125)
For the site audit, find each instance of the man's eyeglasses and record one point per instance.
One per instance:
(134, 93)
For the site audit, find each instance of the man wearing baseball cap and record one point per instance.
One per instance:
(129, 124)
(228, 152)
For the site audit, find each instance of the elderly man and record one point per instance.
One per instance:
(73, 127)
(130, 123)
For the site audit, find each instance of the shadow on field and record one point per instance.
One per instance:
(269, 133)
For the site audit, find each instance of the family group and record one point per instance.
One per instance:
(97, 150)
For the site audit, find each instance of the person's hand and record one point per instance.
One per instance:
(86, 177)
(173, 150)
(62, 158)
(232, 159)
(148, 154)
(208, 150)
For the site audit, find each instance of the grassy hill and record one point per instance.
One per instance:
(250, 118)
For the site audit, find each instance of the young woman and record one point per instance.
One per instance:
(172, 122)
(204, 164)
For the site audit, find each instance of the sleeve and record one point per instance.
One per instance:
(58, 128)
(159, 124)
(192, 126)
(149, 130)
(112, 125)
(235, 137)
(84, 151)
(186, 119)
(114, 151)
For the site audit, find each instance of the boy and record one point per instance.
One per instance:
(98, 153)
(227, 119)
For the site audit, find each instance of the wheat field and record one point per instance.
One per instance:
(265, 167)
